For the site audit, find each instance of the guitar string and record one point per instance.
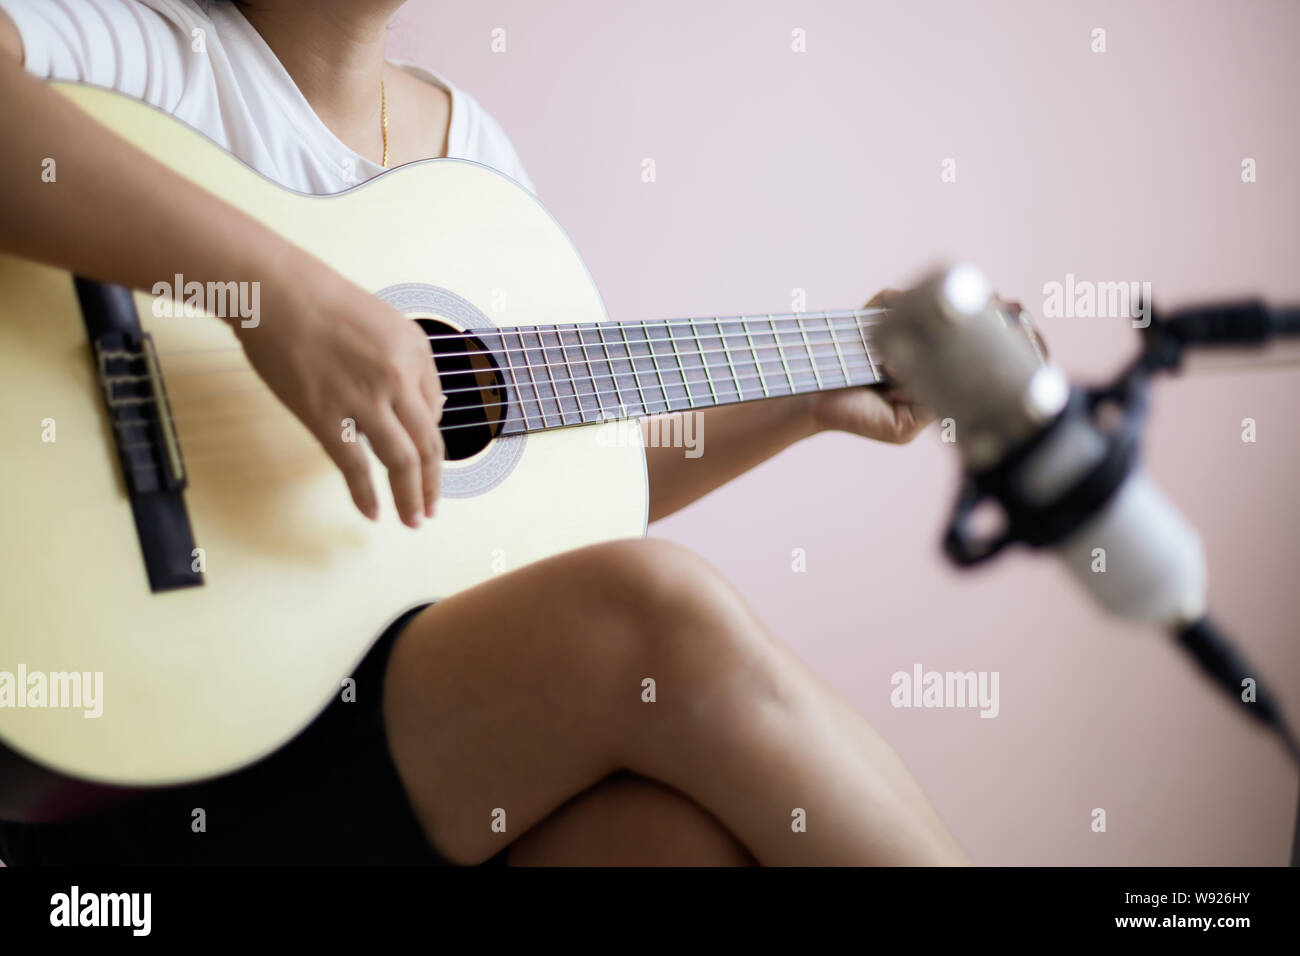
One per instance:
(832, 341)
(574, 405)
(303, 447)
(813, 360)
(565, 405)
(652, 323)
(802, 353)
(531, 382)
(311, 446)
(798, 352)
(558, 399)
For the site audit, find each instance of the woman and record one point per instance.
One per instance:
(537, 711)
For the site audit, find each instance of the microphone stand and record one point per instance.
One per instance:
(1231, 325)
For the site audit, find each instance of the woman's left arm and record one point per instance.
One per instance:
(731, 439)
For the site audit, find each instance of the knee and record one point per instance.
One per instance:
(657, 585)
(676, 611)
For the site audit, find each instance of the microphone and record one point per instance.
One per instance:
(1037, 447)
(1062, 462)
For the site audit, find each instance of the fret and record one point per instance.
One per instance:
(825, 353)
(733, 376)
(661, 345)
(676, 337)
(781, 352)
(717, 357)
(807, 344)
(699, 382)
(799, 360)
(516, 361)
(762, 380)
(642, 406)
(770, 364)
(557, 372)
(739, 375)
(498, 402)
(862, 334)
(649, 402)
(654, 360)
(597, 386)
(631, 364)
(580, 373)
(835, 340)
(855, 352)
(624, 409)
(604, 391)
(704, 363)
(534, 356)
(503, 401)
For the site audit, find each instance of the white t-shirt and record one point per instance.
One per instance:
(206, 65)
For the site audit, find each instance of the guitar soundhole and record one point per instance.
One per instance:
(474, 386)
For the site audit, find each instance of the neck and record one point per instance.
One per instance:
(334, 51)
(577, 374)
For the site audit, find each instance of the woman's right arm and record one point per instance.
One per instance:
(326, 347)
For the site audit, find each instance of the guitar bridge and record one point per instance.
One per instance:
(139, 412)
(144, 433)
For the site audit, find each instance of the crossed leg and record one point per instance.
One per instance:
(516, 701)
(626, 820)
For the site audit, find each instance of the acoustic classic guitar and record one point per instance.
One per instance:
(186, 582)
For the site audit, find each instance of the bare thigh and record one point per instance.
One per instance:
(505, 702)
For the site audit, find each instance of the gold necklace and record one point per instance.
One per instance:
(383, 118)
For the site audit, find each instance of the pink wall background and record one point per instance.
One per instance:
(820, 171)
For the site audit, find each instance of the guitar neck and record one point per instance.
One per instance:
(580, 374)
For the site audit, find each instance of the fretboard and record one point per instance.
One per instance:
(577, 374)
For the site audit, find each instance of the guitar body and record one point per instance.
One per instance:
(200, 681)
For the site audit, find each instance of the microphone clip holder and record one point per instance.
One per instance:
(1042, 524)
(1117, 411)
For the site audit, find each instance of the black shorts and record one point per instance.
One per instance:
(331, 795)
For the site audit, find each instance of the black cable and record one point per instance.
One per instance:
(1227, 668)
